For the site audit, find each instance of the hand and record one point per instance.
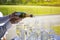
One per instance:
(15, 19)
(18, 16)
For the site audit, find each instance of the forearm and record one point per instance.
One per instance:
(4, 19)
(4, 28)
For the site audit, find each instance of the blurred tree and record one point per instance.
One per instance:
(31, 2)
(3, 1)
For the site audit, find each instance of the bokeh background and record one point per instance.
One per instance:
(35, 7)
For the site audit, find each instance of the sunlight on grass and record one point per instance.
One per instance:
(35, 10)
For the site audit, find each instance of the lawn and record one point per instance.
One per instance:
(35, 10)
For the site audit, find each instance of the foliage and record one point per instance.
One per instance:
(29, 2)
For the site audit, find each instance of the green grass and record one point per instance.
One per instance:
(35, 10)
